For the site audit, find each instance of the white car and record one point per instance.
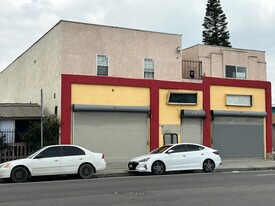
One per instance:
(54, 160)
(177, 157)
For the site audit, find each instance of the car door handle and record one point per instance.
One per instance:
(80, 158)
(202, 153)
(184, 155)
(56, 160)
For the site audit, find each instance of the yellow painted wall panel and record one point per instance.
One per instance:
(218, 98)
(170, 114)
(110, 95)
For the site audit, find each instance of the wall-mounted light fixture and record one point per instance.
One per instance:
(178, 50)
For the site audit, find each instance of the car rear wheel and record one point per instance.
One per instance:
(86, 171)
(20, 174)
(158, 168)
(208, 165)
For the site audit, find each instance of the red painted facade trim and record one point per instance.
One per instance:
(66, 115)
(208, 81)
(155, 86)
(154, 124)
(268, 108)
(206, 107)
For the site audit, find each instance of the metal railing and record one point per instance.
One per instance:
(191, 69)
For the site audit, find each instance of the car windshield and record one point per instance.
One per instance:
(160, 149)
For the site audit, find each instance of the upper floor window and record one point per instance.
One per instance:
(235, 72)
(102, 63)
(149, 68)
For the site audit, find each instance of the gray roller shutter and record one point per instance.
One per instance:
(191, 126)
(238, 135)
(191, 130)
(120, 135)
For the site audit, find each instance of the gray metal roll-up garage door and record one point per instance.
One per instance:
(191, 126)
(238, 134)
(191, 130)
(119, 135)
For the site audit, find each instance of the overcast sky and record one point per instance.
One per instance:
(250, 22)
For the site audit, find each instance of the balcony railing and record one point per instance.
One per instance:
(191, 69)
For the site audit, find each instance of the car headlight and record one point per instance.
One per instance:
(5, 165)
(144, 160)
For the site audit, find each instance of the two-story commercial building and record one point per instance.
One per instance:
(125, 92)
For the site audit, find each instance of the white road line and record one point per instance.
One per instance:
(262, 175)
(253, 171)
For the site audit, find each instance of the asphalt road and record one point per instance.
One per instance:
(239, 188)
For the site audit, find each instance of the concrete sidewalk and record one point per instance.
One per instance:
(228, 165)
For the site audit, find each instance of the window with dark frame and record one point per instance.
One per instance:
(182, 98)
(102, 62)
(236, 72)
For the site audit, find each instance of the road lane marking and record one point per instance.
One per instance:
(262, 175)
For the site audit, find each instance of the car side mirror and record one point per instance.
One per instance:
(170, 151)
(39, 156)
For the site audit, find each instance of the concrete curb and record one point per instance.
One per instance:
(124, 174)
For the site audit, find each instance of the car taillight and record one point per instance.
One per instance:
(102, 156)
(216, 152)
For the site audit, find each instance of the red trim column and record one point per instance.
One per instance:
(268, 122)
(154, 121)
(66, 117)
(206, 107)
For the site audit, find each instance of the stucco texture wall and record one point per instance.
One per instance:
(215, 58)
(110, 95)
(218, 98)
(126, 49)
(37, 68)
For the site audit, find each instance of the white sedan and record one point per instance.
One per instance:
(177, 157)
(54, 160)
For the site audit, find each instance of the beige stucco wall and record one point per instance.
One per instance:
(126, 49)
(37, 68)
(214, 59)
(71, 48)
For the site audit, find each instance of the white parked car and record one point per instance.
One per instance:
(177, 157)
(54, 160)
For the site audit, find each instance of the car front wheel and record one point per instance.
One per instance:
(158, 168)
(86, 171)
(20, 174)
(208, 165)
